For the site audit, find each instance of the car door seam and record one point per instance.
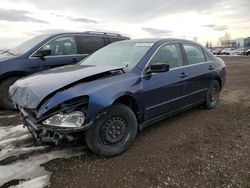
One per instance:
(166, 102)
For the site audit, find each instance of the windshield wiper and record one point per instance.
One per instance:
(8, 52)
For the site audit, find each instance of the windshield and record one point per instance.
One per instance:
(120, 54)
(26, 46)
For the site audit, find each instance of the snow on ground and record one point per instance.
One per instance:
(11, 133)
(34, 183)
(8, 116)
(30, 168)
(16, 141)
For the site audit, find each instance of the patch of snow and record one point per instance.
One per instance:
(30, 168)
(39, 182)
(13, 151)
(8, 132)
(8, 116)
(13, 142)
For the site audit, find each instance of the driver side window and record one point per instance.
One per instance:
(61, 46)
(170, 54)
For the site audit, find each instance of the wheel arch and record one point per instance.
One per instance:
(13, 74)
(130, 102)
(218, 79)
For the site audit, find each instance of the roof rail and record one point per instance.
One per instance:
(102, 33)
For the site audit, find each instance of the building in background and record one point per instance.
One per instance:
(228, 43)
(239, 42)
(247, 42)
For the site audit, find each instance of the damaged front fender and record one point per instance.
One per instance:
(98, 93)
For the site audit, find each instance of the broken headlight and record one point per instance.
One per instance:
(72, 119)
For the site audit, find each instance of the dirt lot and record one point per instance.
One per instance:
(197, 148)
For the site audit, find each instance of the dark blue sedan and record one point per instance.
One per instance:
(117, 91)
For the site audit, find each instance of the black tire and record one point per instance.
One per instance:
(212, 96)
(114, 132)
(5, 101)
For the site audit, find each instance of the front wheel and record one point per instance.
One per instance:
(114, 132)
(212, 96)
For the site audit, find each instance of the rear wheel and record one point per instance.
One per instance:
(213, 93)
(114, 132)
(5, 101)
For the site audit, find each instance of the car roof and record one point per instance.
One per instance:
(155, 40)
(90, 33)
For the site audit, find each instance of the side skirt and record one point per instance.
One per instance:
(167, 115)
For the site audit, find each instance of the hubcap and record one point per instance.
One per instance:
(113, 131)
(214, 94)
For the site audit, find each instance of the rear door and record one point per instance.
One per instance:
(64, 51)
(90, 44)
(200, 69)
(164, 92)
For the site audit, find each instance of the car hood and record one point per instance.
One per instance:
(5, 57)
(29, 92)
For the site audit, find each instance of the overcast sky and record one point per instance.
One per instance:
(206, 20)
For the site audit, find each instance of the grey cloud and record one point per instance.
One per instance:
(141, 10)
(209, 26)
(125, 10)
(46, 31)
(216, 27)
(51, 31)
(84, 20)
(81, 19)
(58, 15)
(13, 15)
(157, 32)
(221, 28)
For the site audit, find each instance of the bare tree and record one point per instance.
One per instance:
(207, 44)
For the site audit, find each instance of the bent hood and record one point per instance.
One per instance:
(30, 91)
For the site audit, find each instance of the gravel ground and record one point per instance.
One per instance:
(197, 148)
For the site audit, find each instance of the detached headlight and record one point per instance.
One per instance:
(73, 119)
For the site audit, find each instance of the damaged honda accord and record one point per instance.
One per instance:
(117, 91)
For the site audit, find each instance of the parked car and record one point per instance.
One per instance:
(238, 51)
(247, 52)
(217, 51)
(46, 52)
(210, 50)
(227, 51)
(117, 91)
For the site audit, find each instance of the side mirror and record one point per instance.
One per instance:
(43, 53)
(158, 68)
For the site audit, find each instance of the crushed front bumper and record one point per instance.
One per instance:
(47, 134)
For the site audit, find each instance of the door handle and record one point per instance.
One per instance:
(74, 60)
(183, 75)
(210, 67)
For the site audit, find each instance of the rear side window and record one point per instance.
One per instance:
(111, 40)
(90, 44)
(170, 54)
(61, 46)
(194, 54)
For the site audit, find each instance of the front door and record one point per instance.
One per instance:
(164, 92)
(63, 52)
